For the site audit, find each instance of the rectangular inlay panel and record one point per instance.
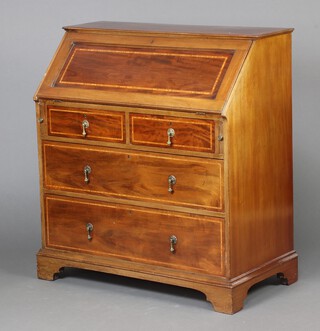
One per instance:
(165, 71)
(136, 234)
(189, 134)
(101, 125)
(133, 175)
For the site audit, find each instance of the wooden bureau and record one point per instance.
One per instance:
(165, 154)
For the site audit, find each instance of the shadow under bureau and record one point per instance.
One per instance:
(165, 154)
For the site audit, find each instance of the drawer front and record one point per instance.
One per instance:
(133, 175)
(173, 133)
(86, 124)
(135, 234)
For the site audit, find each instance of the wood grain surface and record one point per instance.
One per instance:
(165, 71)
(136, 234)
(189, 134)
(259, 157)
(133, 175)
(103, 126)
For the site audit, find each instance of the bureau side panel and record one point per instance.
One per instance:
(258, 146)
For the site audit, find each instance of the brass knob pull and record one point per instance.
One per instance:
(170, 133)
(173, 241)
(171, 180)
(87, 171)
(89, 228)
(85, 125)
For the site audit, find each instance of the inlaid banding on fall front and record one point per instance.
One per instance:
(171, 72)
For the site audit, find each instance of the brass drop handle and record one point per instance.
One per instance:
(87, 171)
(173, 241)
(170, 133)
(89, 228)
(85, 125)
(171, 180)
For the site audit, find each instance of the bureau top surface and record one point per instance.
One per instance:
(230, 32)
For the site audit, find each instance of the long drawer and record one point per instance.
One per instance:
(185, 181)
(143, 235)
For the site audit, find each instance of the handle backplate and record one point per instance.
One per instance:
(172, 181)
(170, 133)
(89, 228)
(85, 125)
(87, 171)
(173, 241)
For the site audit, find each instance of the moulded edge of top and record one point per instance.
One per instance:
(229, 32)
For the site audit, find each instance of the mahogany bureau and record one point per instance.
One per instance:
(165, 154)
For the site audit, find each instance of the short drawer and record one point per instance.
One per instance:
(137, 234)
(172, 132)
(185, 181)
(86, 124)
